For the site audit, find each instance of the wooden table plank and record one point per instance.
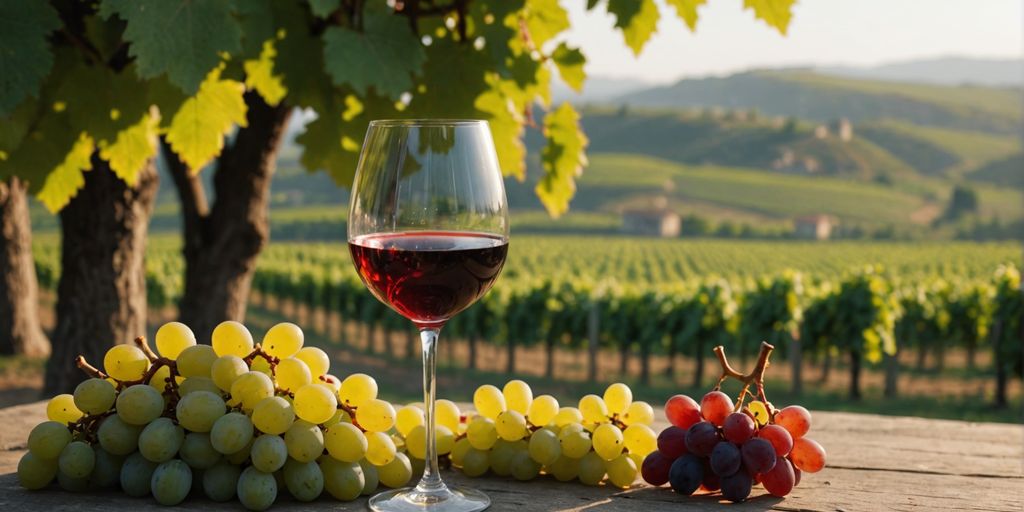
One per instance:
(875, 463)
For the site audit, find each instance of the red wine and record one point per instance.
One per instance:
(429, 276)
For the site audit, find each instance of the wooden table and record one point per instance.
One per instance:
(875, 463)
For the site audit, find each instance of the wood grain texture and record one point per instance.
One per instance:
(875, 463)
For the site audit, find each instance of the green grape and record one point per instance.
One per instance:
(316, 404)
(343, 480)
(639, 438)
(380, 449)
(638, 413)
(106, 473)
(376, 415)
(161, 440)
(475, 462)
(136, 475)
(231, 338)
(567, 415)
(139, 404)
(226, 369)
(256, 490)
(489, 401)
(564, 469)
(621, 471)
(545, 447)
(591, 469)
(193, 384)
(77, 460)
(172, 338)
(72, 484)
(357, 389)
(518, 396)
(249, 388)
(118, 437)
(607, 441)
(395, 473)
(345, 442)
(638, 460)
(416, 441)
(268, 453)
(511, 425)
(125, 362)
(242, 455)
(283, 340)
(446, 413)
(339, 416)
(263, 366)
(304, 440)
(273, 415)
(95, 396)
(318, 363)
(524, 467)
(617, 397)
(197, 451)
(62, 409)
(481, 432)
(371, 477)
(542, 410)
(459, 450)
(593, 409)
(221, 481)
(407, 418)
(48, 439)
(231, 433)
(304, 480)
(171, 482)
(199, 411)
(196, 361)
(35, 472)
(502, 453)
(160, 378)
(575, 440)
(292, 374)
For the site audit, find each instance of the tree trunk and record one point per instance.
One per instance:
(549, 349)
(698, 359)
(510, 362)
(1001, 384)
(796, 364)
(412, 349)
(855, 375)
(19, 293)
(670, 368)
(471, 364)
(922, 354)
(222, 243)
(826, 366)
(645, 364)
(972, 349)
(623, 359)
(593, 341)
(101, 298)
(940, 356)
(892, 368)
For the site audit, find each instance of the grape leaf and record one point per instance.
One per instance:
(687, 11)
(545, 19)
(63, 182)
(562, 158)
(132, 148)
(332, 141)
(303, 71)
(383, 57)
(182, 39)
(507, 132)
(570, 63)
(259, 76)
(258, 23)
(14, 127)
(198, 128)
(25, 55)
(324, 8)
(776, 13)
(100, 101)
(638, 20)
(439, 93)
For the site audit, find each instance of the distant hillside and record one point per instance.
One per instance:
(596, 89)
(1007, 172)
(941, 70)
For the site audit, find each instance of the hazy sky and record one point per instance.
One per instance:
(859, 32)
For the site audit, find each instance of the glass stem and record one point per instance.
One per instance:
(431, 481)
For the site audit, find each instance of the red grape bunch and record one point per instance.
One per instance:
(717, 445)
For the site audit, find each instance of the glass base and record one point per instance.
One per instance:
(445, 499)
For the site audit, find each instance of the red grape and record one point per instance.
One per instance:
(736, 487)
(701, 439)
(795, 419)
(778, 436)
(655, 468)
(682, 411)
(738, 427)
(758, 455)
(808, 455)
(725, 459)
(672, 442)
(796, 474)
(715, 406)
(781, 479)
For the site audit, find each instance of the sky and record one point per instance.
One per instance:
(822, 32)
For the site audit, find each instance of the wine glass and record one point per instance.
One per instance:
(428, 233)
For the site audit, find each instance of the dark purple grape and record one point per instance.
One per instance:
(781, 479)
(712, 482)
(655, 468)
(738, 427)
(736, 487)
(725, 459)
(672, 442)
(796, 474)
(758, 455)
(686, 474)
(702, 438)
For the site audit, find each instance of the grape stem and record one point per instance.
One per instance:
(755, 377)
(89, 369)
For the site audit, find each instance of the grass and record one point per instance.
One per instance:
(974, 148)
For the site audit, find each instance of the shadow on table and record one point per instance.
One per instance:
(647, 495)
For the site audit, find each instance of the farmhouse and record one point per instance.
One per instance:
(814, 227)
(651, 222)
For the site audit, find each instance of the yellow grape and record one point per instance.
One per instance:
(545, 447)
(607, 441)
(459, 451)
(594, 409)
(305, 441)
(172, 338)
(196, 361)
(139, 404)
(283, 340)
(340, 416)
(416, 442)
(94, 396)
(448, 414)
(640, 439)
(159, 379)
(489, 401)
(273, 415)
(511, 425)
(231, 338)
(396, 472)
(315, 359)
(618, 396)
(315, 404)
(575, 440)
(62, 409)
(345, 442)
(621, 471)
(125, 362)
(198, 411)
(481, 432)
(376, 415)
(380, 449)
(193, 384)
(408, 418)
(226, 369)
(249, 388)
(331, 382)
(591, 469)
(759, 412)
(518, 396)
(542, 410)
(568, 415)
(357, 389)
(292, 374)
(261, 365)
(639, 413)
